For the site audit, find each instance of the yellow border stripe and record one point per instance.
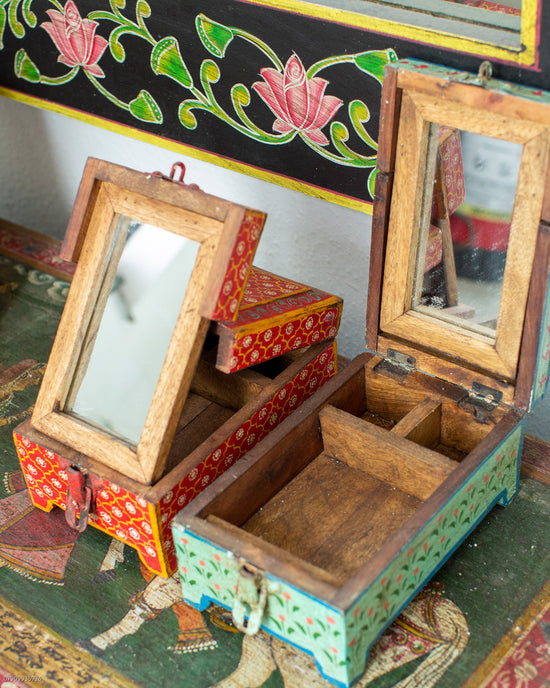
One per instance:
(526, 56)
(192, 152)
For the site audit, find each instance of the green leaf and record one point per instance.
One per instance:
(371, 186)
(186, 117)
(25, 67)
(145, 108)
(2, 26)
(373, 62)
(215, 37)
(166, 59)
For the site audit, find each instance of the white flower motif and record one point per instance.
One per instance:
(262, 413)
(247, 341)
(274, 418)
(30, 479)
(193, 474)
(150, 550)
(293, 400)
(48, 490)
(57, 483)
(130, 508)
(182, 499)
(117, 511)
(121, 534)
(206, 480)
(103, 494)
(289, 329)
(233, 305)
(240, 248)
(330, 367)
(255, 355)
(63, 475)
(303, 375)
(277, 349)
(242, 272)
(313, 383)
(134, 534)
(297, 343)
(309, 323)
(268, 335)
(50, 455)
(142, 502)
(164, 518)
(114, 488)
(251, 438)
(39, 492)
(240, 433)
(315, 336)
(32, 468)
(168, 497)
(40, 461)
(105, 516)
(227, 287)
(217, 455)
(332, 332)
(323, 359)
(282, 393)
(146, 527)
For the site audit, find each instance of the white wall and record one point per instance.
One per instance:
(42, 155)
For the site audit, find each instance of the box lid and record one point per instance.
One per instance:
(461, 235)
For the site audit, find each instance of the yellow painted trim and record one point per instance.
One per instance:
(191, 151)
(526, 56)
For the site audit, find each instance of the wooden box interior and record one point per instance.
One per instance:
(329, 496)
(216, 396)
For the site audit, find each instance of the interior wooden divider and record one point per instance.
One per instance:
(384, 455)
(422, 425)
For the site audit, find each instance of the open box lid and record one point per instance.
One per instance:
(421, 310)
(156, 261)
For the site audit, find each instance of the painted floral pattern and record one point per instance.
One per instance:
(298, 101)
(340, 640)
(301, 98)
(76, 39)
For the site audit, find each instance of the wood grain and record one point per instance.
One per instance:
(386, 456)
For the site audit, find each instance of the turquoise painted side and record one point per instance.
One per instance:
(543, 359)
(339, 640)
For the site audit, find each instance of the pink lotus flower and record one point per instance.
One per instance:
(298, 102)
(75, 39)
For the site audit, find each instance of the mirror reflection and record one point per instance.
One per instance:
(465, 226)
(144, 286)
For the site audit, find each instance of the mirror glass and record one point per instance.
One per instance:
(143, 289)
(466, 216)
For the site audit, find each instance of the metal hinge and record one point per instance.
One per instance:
(481, 400)
(396, 363)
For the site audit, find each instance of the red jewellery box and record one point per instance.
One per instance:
(327, 528)
(173, 357)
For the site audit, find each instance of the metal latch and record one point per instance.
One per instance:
(481, 400)
(396, 363)
(78, 500)
(250, 599)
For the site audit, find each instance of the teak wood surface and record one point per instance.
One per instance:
(333, 493)
(107, 194)
(411, 101)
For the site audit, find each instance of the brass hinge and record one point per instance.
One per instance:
(396, 363)
(481, 400)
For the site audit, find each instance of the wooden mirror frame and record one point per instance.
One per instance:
(475, 108)
(107, 193)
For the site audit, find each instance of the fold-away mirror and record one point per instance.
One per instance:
(156, 260)
(444, 287)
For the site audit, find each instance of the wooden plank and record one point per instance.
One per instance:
(422, 425)
(191, 434)
(80, 215)
(383, 455)
(233, 391)
(244, 536)
(390, 105)
(332, 516)
(317, 583)
(534, 314)
(360, 581)
(380, 216)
